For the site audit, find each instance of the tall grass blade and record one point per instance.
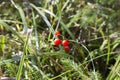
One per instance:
(35, 29)
(44, 18)
(18, 76)
(49, 25)
(21, 12)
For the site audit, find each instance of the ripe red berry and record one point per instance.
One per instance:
(67, 48)
(57, 42)
(57, 33)
(65, 42)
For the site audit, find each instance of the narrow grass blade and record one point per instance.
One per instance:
(21, 12)
(22, 60)
(44, 18)
(61, 22)
(2, 45)
(35, 29)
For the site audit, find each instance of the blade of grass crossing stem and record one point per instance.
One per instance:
(36, 34)
(11, 29)
(22, 59)
(66, 3)
(21, 12)
(61, 22)
(96, 78)
(44, 18)
(66, 28)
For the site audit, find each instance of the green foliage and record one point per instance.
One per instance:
(27, 49)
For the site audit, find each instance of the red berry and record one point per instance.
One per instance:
(57, 42)
(65, 42)
(67, 48)
(57, 33)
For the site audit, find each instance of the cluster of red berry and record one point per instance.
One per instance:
(65, 43)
